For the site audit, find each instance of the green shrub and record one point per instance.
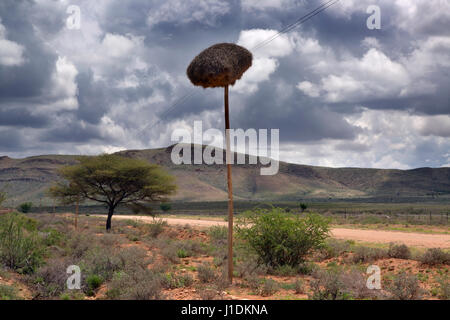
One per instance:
(399, 251)
(8, 293)
(165, 207)
(285, 271)
(172, 281)
(94, 281)
(435, 256)
(25, 207)
(405, 287)
(20, 247)
(280, 238)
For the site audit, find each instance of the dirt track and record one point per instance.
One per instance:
(408, 238)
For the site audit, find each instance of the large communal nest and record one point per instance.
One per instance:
(219, 65)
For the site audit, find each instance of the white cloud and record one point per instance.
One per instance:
(258, 5)
(434, 126)
(309, 89)
(64, 89)
(183, 11)
(265, 60)
(11, 53)
(388, 139)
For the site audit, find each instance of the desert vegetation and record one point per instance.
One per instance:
(158, 261)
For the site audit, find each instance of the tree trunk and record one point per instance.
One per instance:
(108, 220)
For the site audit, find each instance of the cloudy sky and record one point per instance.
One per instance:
(341, 94)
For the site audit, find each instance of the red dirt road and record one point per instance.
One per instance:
(378, 236)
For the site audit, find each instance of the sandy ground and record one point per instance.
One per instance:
(378, 236)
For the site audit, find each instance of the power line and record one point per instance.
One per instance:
(295, 24)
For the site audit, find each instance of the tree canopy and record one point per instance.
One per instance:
(113, 180)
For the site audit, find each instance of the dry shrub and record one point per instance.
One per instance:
(136, 284)
(50, 280)
(299, 286)
(269, 288)
(208, 294)
(405, 287)
(367, 254)
(206, 274)
(399, 251)
(333, 248)
(435, 256)
(336, 284)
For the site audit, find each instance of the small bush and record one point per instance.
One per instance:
(79, 243)
(206, 274)
(50, 280)
(20, 247)
(280, 238)
(165, 207)
(334, 248)
(444, 288)
(136, 284)
(8, 293)
(156, 227)
(405, 287)
(218, 234)
(367, 254)
(25, 207)
(94, 281)
(399, 251)
(253, 282)
(285, 271)
(299, 286)
(101, 262)
(328, 285)
(269, 288)
(435, 256)
(335, 284)
(208, 294)
(172, 281)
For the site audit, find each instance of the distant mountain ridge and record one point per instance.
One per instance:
(27, 180)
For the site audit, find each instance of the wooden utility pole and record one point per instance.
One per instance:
(230, 189)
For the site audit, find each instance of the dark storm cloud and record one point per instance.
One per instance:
(172, 35)
(298, 118)
(20, 117)
(72, 132)
(29, 79)
(10, 140)
(93, 99)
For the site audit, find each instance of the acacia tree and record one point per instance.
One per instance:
(113, 180)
